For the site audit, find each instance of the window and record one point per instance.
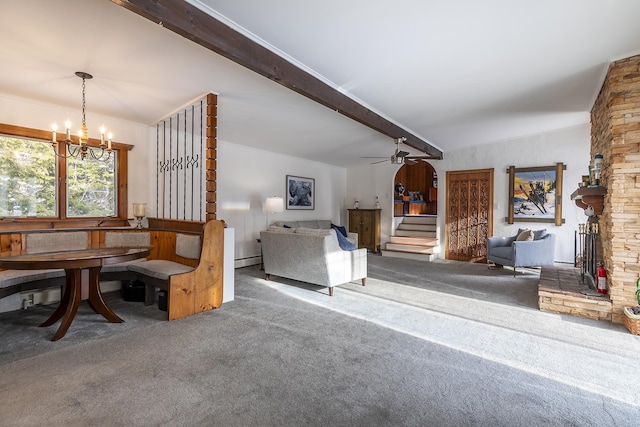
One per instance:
(91, 186)
(30, 188)
(27, 178)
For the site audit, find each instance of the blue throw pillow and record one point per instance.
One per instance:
(345, 245)
(340, 228)
(285, 226)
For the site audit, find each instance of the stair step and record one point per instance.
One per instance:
(420, 220)
(412, 240)
(418, 227)
(410, 248)
(414, 233)
(408, 255)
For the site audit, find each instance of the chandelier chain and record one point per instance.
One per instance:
(84, 103)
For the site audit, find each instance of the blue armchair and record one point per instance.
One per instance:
(532, 253)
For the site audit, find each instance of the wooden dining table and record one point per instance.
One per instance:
(82, 270)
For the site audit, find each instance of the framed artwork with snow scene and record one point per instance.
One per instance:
(535, 194)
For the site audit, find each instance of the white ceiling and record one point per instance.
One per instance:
(457, 73)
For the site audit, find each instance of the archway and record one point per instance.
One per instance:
(420, 196)
(415, 233)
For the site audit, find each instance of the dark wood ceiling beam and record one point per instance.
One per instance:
(196, 25)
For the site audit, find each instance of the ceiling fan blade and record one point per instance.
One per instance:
(402, 154)
(376, 157)
(381, 161)
(417, 157)
(409, 161)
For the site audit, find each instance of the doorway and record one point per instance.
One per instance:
(469, 218)
(419, 183)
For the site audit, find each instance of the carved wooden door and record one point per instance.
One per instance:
(469, 214)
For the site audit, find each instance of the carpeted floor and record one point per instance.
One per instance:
(422, 344)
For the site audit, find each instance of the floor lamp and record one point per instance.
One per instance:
(273, 205)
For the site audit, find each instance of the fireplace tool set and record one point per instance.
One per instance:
(586, 246)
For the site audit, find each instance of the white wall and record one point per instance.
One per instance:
(38, 115)
(247, 176)
(366, 182)
(569, 146)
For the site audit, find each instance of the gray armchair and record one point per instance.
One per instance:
(531, 253)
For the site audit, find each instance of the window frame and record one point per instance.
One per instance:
(121, 152)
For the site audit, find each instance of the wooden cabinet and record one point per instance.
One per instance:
(366, 222)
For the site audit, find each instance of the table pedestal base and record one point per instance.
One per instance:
(81, 284)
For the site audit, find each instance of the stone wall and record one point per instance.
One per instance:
(615, 133)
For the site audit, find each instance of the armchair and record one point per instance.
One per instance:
(530, 253)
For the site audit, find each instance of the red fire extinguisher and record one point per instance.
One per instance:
(601, 275)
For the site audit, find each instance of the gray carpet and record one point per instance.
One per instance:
(449, 344)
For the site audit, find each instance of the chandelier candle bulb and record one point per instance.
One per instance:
(102, 131)
(109, 136)
(67, 125)
(54, 128)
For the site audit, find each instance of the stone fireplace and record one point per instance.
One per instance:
(615, 133)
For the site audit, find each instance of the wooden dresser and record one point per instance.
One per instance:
(366, 222)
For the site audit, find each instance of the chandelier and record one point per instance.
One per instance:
(81, 147)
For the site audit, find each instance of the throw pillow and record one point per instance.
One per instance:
(345, 245)
(313, 231)
(285, 226)
(310, 224)
(525, 236)
(340, 228)
(276, 229)
(539, 234)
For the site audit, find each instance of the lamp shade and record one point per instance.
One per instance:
(274, 204)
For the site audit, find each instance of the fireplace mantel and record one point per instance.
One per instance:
(590, 196)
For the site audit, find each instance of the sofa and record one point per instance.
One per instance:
(528, 248)
(311, 255)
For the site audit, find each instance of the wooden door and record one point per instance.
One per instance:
(469, 214)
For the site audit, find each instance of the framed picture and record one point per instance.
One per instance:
(301, 192)
(535, 194)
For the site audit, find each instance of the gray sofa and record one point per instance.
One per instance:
(532, 253)
(311, 255)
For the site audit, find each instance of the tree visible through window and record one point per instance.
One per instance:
(91, 186)
(27, 178)
(28, 187)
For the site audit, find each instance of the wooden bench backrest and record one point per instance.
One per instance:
(188, 246)
(114, 239)
(58, 241)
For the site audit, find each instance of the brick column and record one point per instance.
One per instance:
(615, 133)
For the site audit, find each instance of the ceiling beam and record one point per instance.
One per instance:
(200, 27)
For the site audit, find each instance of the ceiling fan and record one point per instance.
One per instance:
(399, 157)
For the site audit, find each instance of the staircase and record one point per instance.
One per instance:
(415, 238)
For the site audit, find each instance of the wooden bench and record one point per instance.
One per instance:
(190, 290)
(191, 273)
(15, 281)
